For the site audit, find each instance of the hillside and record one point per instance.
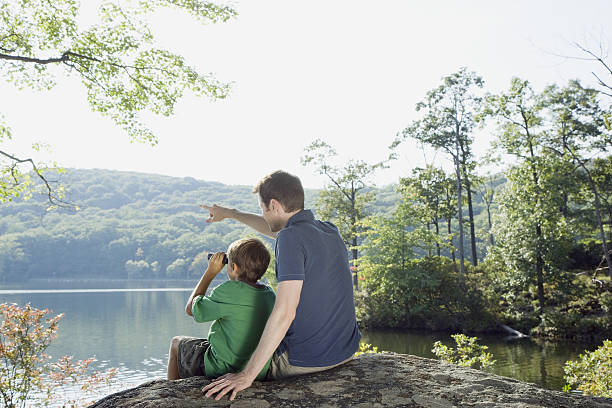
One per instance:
(129, 225)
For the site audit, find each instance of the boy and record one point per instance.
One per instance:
(239, 307)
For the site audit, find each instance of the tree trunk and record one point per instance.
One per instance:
(471, 215)
(437, 236)
(491, 239)
(602, 233)
(539, 259)
(564, 208)
(459, 213)
(428, 247)
(355, 254)
(354, 233)
(450, 240)
(540, 271)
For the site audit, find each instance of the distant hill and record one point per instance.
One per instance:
(130, 225)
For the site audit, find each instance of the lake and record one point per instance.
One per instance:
(129, 324)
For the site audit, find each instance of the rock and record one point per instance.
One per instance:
(370, 380)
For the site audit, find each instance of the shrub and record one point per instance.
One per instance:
(25, 369)
(592, 373)
(467, 354)
(365, 348)
(423, 293)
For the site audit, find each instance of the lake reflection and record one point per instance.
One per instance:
(132, 329)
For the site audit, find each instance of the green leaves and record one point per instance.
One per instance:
(345, 199)
(468, 353)
(592, 372)
(114, 58)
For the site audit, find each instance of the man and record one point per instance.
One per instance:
(312, 326)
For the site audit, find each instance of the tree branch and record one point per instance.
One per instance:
(63, 58)
(337, 185)
(52, 199)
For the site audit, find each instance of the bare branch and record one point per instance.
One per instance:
(595, 57)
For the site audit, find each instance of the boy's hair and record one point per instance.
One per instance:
(283, 187)
(251, 256)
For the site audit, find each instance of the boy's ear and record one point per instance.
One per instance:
(235, 267)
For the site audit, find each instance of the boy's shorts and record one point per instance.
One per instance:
(190, 356)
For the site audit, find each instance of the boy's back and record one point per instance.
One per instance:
(240, 312)
(238, 308)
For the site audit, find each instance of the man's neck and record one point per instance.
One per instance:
(287, 216)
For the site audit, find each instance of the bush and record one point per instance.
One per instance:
(365, 348)
(25, 334)
(592, 373)
(423, 293)
(467, 354)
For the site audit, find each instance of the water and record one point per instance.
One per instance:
(129, 324)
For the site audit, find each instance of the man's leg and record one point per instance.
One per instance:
(173, 372)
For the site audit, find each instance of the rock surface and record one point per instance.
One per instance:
(368, 381)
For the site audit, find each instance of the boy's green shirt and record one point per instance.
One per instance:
(240, 313)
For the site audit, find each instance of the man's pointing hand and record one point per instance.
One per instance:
(217, 213)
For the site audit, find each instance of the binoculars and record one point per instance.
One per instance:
(224, 258)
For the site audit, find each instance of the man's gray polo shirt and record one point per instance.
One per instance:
(324, 331)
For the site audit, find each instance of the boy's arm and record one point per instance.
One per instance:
(257, 222)
(287, 299)
(215, 264)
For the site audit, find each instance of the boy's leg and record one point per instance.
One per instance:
(173, 371)
(186, 357)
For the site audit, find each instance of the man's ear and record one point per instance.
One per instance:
(235, 268)
(276, 206)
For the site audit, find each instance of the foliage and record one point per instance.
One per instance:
(592, 373)
(365, 348)
(447, 123)
(427, 191)
(467, 354)
(345, 199)
(400, 290)
(25, 368)
(115, 58)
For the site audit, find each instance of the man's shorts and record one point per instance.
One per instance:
(280, 367)
(190, 356)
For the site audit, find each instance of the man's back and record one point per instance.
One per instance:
(324, 331)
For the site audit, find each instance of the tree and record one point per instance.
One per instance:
(578, 133)
(529, 231)
(115, 59)
(446, 125)
(344, 200)
(426, 189)
(486, 189)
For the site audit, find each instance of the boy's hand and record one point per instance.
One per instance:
(215, 263)
(217, 213)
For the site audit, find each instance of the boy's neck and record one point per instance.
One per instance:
(253, 284)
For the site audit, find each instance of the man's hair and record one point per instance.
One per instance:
(251, 256)
(283, 187)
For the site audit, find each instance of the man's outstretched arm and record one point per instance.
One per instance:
(255, 221)
(287, 299)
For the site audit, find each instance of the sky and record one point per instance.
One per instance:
(347, 72)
